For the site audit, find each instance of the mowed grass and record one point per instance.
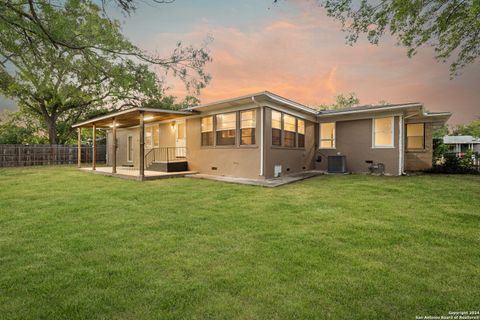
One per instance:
(79, 246)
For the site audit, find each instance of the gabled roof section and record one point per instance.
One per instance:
(258, 97)
(369, 108)
(413, 111)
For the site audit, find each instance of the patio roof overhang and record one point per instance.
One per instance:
(131, 117)
(437, 119)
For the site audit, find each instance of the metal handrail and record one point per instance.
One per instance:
(164, 154)
(149, 157)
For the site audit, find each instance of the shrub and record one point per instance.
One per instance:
(453, 164)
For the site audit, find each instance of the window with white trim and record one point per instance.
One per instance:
(289, 128)
(301, 133)
(247, 127)
(226, 125)
(207, 131)
(383, 132)
(276, 128)
(415, 136)
(327, 135)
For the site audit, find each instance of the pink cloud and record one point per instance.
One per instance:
(304, 57)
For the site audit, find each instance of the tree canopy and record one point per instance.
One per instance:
(451, 27)
(50, 21)
(62, 85)
(342, 101)
(471, 129)
(15, 129)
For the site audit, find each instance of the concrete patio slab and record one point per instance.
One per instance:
(132, 174)
(270, 183)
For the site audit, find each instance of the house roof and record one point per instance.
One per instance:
(369, 108)
(254, 97)
(131, 117)
(414, 111)
(460, 140)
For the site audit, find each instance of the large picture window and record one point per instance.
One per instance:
(226, 128)
(276, 128)
(383, 132)
(207, 131)
(301, 133)
(290, 128)
(415, 136)
(327, 135)
(247, 127)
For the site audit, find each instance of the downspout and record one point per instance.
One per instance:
(400, 146)
(262, 164)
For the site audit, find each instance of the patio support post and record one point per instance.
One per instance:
(142, 147)
(79, 147)
(114, 146)
(94, 154)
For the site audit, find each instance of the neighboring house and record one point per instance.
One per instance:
(461, 144)
(263, 135)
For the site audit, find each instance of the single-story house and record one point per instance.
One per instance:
(461, 144)
(263, 135)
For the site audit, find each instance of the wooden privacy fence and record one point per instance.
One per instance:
(18, 155)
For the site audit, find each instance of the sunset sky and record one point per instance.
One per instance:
(294, 50)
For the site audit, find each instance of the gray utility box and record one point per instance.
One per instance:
(337, 164)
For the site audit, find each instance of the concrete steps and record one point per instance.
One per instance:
(171, 166)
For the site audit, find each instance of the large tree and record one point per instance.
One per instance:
(342, 101)
(451, 27)
(61, 85)
(28, 18)
(471, 129)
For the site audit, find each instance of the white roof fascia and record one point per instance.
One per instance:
(404, 106)
(266, 94)
(119, 113)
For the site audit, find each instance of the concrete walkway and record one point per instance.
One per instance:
(275, 182)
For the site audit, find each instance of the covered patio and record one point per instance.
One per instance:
(135, 117)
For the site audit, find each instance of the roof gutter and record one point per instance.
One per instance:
(412, 115)
(290, 103)
(368, 110)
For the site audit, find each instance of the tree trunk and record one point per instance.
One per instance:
(52, 129)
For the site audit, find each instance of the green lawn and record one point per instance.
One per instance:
(79, 246)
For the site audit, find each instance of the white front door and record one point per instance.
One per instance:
(180, 139)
